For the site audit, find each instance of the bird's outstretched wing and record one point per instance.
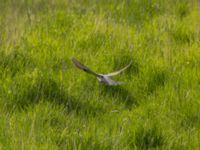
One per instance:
(117, 72)
(83, 67)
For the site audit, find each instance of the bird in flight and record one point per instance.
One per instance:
(103, 78)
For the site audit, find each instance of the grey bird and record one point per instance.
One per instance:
(103, 78)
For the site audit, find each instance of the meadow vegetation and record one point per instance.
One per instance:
(47, 103)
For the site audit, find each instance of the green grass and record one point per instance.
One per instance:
(47, 103)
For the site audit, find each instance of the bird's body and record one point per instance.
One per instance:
(103, 78)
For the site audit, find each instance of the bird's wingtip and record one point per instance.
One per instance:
(73, 59)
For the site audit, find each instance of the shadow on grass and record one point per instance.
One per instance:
(15, 62)
(190, 117)
(47, 89)
(149, 138)
(157, 78)
(120, 94)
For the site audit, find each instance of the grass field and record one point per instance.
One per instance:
(47, 103)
